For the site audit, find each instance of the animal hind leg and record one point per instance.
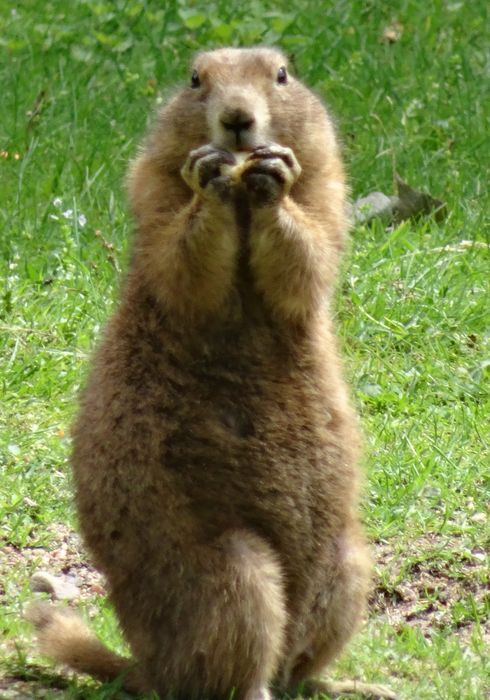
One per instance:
(333, 624)
(337, 615)
(218, 629)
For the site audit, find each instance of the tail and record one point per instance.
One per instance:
(63, 636)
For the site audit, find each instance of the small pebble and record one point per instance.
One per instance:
(58, 587)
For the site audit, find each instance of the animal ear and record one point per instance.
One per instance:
(292, 61)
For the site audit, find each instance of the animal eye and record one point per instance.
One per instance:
(195, 81)
(282, 76)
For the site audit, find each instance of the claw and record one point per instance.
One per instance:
(269, 173)
(265, 153)
(207, 166)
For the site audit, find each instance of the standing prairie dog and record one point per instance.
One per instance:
(215, 451)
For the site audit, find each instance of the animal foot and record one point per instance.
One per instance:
(269, 173)
(335, 689)
(203, 171)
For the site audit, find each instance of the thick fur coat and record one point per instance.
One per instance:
(215, 452)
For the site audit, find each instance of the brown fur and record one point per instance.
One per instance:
(215, 451)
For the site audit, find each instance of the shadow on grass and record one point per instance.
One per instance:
(25, 681)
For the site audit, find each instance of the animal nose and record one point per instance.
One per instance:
(236, 120)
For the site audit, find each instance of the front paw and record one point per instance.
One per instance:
(269, 173)
(207, 172)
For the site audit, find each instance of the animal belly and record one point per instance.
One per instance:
(239, 466)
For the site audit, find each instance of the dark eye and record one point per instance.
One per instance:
(195, 81)
(282, 76)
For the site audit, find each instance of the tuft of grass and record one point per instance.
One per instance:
(77, 82)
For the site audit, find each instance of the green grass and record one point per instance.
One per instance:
(77, 81)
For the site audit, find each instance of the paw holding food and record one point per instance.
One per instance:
(205, 171)
(267, 172)
(235, 169)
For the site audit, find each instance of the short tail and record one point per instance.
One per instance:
(63, 636)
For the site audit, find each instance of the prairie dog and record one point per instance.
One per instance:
(215, 452)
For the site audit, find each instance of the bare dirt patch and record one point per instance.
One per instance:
(66, 556)
(435, 582)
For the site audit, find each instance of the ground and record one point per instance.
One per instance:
(418, 586)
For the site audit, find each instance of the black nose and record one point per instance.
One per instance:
(236, 120)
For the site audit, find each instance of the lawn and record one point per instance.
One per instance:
(409, 84)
